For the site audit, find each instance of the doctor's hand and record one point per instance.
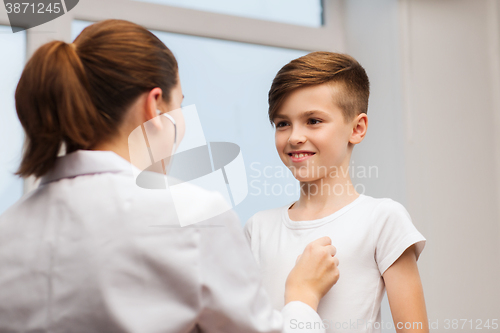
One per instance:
(314, 274)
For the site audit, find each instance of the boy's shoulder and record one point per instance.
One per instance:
(368, 208)
(268, 215)
(372, 210)
(379, 204)
(384, 205)
(384, 211)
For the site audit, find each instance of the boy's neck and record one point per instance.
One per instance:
(323, 197)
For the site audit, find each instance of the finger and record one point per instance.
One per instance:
(332, 250)
(336, 261)
(325, 240)
(298, 258)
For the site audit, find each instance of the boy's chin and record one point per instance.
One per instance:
(305, 178)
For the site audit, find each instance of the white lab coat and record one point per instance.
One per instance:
(89, 251)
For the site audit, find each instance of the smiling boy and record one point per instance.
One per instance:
(318, 104)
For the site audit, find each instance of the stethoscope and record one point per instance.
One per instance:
(174, 147)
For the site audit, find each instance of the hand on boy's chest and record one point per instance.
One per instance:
(354, 246)
(281, 246)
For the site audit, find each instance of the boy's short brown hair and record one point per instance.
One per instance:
(318, 68)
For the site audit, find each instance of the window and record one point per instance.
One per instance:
(300, 12)
(12, 59)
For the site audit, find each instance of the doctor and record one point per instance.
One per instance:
(89, 251)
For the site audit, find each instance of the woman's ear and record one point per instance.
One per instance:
(359, 127)
(153, 106)
(153, 103)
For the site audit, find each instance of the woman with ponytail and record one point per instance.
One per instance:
(81, 253)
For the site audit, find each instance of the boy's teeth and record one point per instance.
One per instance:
(301, 155)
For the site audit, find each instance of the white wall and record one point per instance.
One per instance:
(372, 37)
(451, 65)
(434, 134)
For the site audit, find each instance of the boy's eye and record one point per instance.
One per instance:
(313, 121)
(281, 124)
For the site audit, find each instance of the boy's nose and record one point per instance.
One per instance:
(296, 138)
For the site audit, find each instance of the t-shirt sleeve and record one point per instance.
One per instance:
(394, 232)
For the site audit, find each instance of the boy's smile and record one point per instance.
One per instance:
(311, 133)
(300, 155)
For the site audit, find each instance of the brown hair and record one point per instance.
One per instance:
(78, 94)
(319, 68)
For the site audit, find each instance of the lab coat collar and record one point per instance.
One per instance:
(86, 162)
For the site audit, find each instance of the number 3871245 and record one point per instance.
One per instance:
(33, 7)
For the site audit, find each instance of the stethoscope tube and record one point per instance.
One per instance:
(169, 117)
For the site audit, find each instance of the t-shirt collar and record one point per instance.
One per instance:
(318, 222)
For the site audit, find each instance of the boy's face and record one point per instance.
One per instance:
(311, 136)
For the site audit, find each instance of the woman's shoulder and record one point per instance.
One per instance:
(189, 202)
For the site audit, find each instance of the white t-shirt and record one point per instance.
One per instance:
(369, 234)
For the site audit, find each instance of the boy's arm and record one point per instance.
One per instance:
(405, 294)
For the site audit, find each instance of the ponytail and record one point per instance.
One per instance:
(78, 94)
(54, 106)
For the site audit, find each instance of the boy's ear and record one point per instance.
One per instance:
(359, 127)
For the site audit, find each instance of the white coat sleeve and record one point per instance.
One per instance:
(232, 296)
